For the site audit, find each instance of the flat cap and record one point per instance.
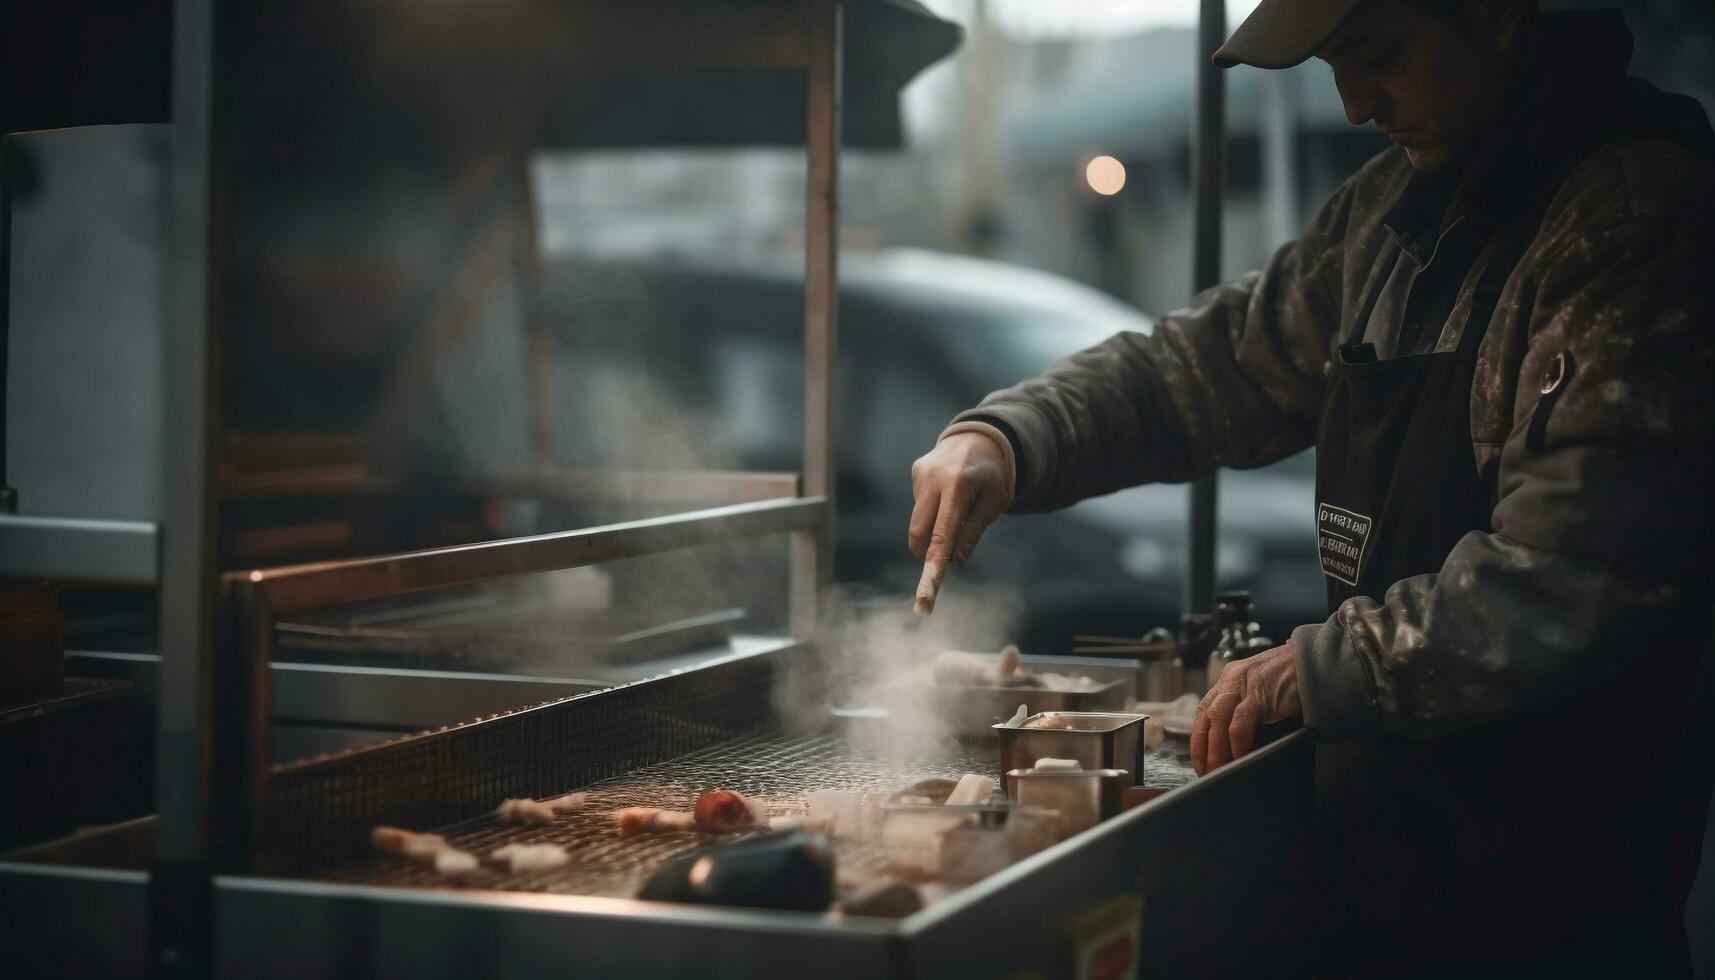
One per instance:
(1283, 33)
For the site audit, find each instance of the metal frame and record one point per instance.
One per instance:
(703, 488)
(295, 588)
(254, 600)
(812, 551)
(217, 695)
(79, 549)
(8, 167)
(1208, 168)
(180, 894)
(378, 699)
(1243, 824)
(706, 488)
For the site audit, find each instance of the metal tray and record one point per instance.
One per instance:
(972, 712)
(334, 920)
(489, 633)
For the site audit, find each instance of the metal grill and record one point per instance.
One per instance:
(319, 812)
(777, 769)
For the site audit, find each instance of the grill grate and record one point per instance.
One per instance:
(775, 768)
(319, 812)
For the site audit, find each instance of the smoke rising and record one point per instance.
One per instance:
(872, 650)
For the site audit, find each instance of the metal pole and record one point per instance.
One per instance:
(812, 554)
(8, 169)
(1279, 123)
(181, 897)
(1207, 170)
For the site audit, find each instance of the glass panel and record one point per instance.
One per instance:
(468, 287)
(497, 270)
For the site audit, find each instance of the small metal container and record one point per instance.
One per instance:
(963, 842)
(1096, 739)
(1084, 797)
(971, 712)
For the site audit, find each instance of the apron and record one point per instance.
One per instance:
(1517, 845)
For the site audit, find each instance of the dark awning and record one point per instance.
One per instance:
(88, 62)
(84, 63)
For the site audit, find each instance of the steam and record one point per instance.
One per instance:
(872, 650)
(626, 419)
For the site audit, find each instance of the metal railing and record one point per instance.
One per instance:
(252, 602)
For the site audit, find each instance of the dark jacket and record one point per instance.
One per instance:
(1587, 599)
(1606, 517)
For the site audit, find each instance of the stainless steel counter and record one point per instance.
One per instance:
(1221, 866)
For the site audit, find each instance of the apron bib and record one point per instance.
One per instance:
(1473, 848)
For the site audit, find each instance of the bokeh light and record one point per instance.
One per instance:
(1105, 174)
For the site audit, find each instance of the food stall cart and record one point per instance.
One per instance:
(258, 868)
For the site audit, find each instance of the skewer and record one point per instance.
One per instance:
(929, 585)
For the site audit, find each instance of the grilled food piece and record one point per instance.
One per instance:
(407, 843)
(926, 792)
(523, 858)
(524, 811)
(634, 820)
(721, 811)
(717, 811)
(533, 811)
(453, 862)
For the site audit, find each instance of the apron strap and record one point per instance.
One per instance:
(1511, 243)
(1514, 236)
(1355, 333)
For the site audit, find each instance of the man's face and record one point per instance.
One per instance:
(1430, 79)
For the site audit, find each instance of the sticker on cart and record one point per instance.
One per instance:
(1106, 940)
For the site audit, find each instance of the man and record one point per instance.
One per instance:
(1497, 334)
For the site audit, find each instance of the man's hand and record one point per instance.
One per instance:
(1258, 690)
(960, 487)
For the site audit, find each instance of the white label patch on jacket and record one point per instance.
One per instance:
(1340, 538)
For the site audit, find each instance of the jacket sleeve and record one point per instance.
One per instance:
(1603, 525)
(1235, 379)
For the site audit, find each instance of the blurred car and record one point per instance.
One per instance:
(700, 364)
